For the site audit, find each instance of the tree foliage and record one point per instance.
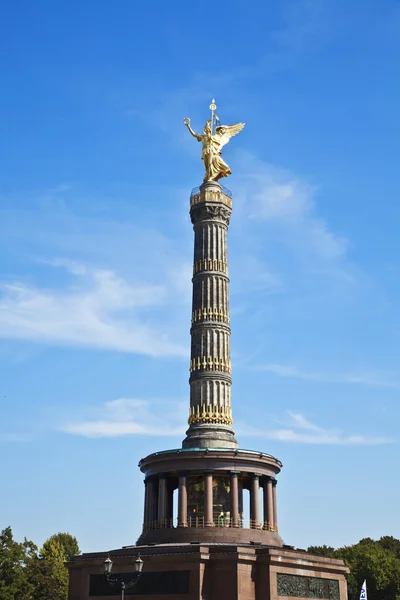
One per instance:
(27, 574)
(67, 541)
(14, 558)
(376, 561)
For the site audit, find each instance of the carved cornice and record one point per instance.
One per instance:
(210, 212)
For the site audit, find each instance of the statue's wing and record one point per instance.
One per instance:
(225, 132)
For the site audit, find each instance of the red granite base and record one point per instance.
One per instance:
(213, 572)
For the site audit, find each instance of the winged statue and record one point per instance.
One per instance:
(212, 143)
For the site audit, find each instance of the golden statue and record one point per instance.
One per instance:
(212, 143)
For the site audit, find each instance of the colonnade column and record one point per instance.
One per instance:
(169, 512)
(265, 505)
(146, 502)
(275, 512)
(182, 502)
(162, 501)
(234, 499)
(254, 502)
(151, 504)
(268, 505)
(208, 500)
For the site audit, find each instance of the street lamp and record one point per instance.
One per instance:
(124, 585)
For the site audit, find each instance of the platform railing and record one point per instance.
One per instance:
(196, 191)
(220, 522)
(226, 197)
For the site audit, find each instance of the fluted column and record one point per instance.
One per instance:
(182, 501)
(234, 499)
(210, 416)
(275, 511)
(162, 501)
(208, 500)
(255, 502)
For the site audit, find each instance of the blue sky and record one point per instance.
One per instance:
(96, 253)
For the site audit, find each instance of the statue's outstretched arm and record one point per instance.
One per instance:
(194, 134)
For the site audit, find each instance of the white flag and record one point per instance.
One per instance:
(363, 594)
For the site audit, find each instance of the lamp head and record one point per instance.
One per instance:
(138, 565)
(107, 565)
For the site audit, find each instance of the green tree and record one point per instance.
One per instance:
(376, 561)
(48, 573)
(390, 543)
(15, 559)
(67, 541)
(326, 551)
(379, 566)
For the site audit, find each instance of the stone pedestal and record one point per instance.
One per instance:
(212, 572)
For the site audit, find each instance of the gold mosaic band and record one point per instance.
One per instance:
(210, 363)
(210, 414)
(210, 264)
(211, 314)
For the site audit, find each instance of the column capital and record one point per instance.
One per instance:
(151, 479)
(274, 481)
(234, 473)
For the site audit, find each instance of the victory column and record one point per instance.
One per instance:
(198, 541)
(210, 416)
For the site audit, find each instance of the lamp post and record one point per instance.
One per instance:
(123, 583)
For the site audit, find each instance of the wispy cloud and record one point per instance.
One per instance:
(272, 194)
(366, 378)
(98, 309)
(130, 416)
(298, 429)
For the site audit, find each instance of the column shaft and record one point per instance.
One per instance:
(182, 502)
(270, 507)
(275, 506)
(210, 357)
(265, 505)
(170, 504)
(255, 502)
(208, 500)
(234, 500)
(151, 504)
(162, 501)
(146, 502)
